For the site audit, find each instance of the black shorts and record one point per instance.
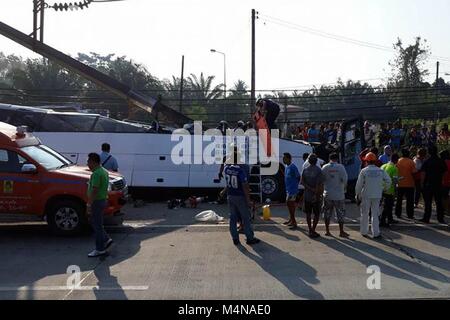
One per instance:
(312, 207)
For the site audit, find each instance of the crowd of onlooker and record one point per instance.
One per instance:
(397, 135)
(316, 133)
(419, 153)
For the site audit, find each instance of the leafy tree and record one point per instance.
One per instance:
(408, 92)
(408, 65)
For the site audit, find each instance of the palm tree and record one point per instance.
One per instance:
(239, 89)
(200, 88)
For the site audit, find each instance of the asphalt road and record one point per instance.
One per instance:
(164, 254)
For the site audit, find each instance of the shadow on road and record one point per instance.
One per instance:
(293, 273)
(365, 253)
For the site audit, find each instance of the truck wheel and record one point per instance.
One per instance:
(66, 217)
(273, 187)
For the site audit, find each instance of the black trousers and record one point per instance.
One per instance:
(429, 193)
(409, 193)
(418, 193)
(386, 216)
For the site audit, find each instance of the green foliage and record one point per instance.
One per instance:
(405, 95)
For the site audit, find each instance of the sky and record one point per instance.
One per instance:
(157, 33)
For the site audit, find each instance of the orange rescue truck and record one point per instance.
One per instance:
(36, 180)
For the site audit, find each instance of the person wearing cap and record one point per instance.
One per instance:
(240, 125)
(372, 181)
(312, 180)
(386, 156)
(223, 127)
(363, 154)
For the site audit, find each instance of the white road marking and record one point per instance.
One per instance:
(76, 288)
(162, 226)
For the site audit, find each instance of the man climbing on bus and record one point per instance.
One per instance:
(269, 110)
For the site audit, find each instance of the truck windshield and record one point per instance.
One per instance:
(45, 158)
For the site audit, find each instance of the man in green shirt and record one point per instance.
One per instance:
(97, 201)
(389, 196)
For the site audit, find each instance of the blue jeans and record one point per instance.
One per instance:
(239, 211)
(97, 208)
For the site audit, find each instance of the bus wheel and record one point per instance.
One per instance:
(272, 187)
(66, 217)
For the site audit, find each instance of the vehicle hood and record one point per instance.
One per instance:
(83, 172)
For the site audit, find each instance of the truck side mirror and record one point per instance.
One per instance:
(29, 168)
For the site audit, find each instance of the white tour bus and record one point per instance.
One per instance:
(144, 156)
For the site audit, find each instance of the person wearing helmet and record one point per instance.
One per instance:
(189, 127)
(270, 110)
(223, 126)
(372, 181)
(240, 125)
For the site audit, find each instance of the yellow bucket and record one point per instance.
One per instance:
(266, 212)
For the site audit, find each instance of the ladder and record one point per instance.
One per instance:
(255, 182)
(255, 179)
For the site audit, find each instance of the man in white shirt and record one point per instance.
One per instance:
(372, 181)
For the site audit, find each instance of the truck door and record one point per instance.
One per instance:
(16, 188)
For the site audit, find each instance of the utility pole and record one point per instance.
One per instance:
(41, 28)
(253, 99)
(286, 101)
(436, 89)
(38, 18)
(437, 72)
(181, 83)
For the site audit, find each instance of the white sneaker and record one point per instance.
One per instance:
(96, 253)
(108, 243)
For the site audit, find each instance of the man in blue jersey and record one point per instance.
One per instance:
(291, 181)
(396, 134)
(238, 191)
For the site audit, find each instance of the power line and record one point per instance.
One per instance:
(336, 37)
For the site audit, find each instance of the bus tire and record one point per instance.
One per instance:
(273, 187)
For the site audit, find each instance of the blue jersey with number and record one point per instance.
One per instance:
(235, 176)
(291, 179)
